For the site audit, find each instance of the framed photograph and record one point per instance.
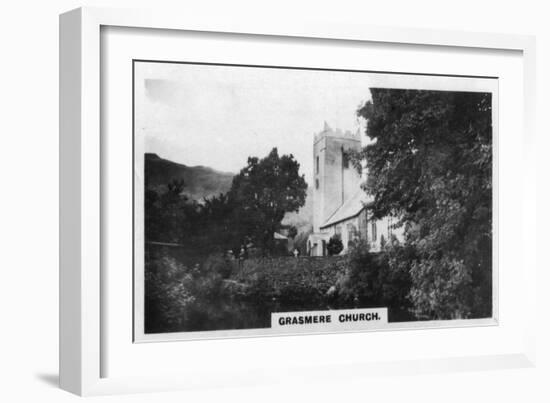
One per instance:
(337, 188)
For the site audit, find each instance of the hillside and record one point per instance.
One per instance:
(200, 181)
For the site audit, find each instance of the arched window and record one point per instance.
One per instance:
(345, 159)
(352, 234)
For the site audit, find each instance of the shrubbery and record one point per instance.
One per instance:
(177, 296)
(335, 245)
(378, 279)
(288, 281)
(168, 295)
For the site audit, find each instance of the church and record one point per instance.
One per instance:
(338, 200)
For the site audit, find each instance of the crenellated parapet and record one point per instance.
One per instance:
(337, 133)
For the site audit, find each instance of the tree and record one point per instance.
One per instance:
(335, 245)
(169, 215)
(262, 193)
(215, 232)
(430, 163)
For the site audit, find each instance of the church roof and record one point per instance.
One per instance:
(351, 208)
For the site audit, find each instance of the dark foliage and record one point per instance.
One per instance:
(335, 245)
(430, 163)
(379, 279)
(169, 215)
(262, 193)
(189, 298)
(290, 284)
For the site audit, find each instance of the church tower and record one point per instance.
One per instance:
(335, 179)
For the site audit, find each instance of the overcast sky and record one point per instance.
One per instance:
(217, 116)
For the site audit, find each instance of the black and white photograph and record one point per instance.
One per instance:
(273, 200)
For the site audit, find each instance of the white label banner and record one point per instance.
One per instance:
(339, 319)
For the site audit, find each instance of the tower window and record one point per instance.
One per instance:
(317, 165)
(345, 159)
(316, 183)
(374, 234)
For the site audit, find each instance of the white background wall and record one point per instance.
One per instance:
(29, 201)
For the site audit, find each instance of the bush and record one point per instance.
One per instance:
(378, 279)
(335, 245)
(298, 282)
(360, 280)
(179, 297)
(442, 289)
(217, 264)
(168, 294)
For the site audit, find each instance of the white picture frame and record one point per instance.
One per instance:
(82, 307)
